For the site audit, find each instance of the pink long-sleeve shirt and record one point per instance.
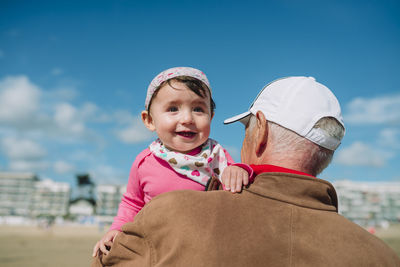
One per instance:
(149, 177)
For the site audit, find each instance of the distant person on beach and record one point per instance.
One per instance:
(286, 217)
(179, 107)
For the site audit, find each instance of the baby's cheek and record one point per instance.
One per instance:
(208, 128)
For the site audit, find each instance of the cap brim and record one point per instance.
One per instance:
(243, 118)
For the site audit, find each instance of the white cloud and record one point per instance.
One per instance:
(379, 110)
(390, 137)
(19, 99)
(57, 71)
(124, 117)
(21, 108)
(89, 110)
(26, 108)
(70, 122)
(29, 113)
(81, 155)
(68, 119)
(24, 154)
(63, 167)
(24, 149)
(135, 132)
(64, 93)
(360, 154)
(29, 166)
(105, 174)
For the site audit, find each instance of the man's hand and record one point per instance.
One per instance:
(105, 241)
(233, 178)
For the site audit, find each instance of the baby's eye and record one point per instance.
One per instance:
(172, 109)
(198, 109)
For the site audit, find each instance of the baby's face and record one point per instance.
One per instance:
(180, 117)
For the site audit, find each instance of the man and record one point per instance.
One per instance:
(287, 217)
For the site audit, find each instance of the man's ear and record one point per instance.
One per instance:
(148, 120)
(262, 133)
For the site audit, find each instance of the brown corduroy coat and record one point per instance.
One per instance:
(280, 220)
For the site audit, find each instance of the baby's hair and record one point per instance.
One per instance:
(195, 85)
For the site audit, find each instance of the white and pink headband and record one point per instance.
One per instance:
(172, 73)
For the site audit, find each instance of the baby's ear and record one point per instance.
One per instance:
(148, 120)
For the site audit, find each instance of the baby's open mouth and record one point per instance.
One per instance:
(186, 134)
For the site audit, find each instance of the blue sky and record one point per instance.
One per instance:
(74, 74)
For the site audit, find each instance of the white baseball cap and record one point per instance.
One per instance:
(297, 103)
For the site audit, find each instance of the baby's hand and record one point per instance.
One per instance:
(105, 241)
(233, 178)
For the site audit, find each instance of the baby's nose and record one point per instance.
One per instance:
(186, 117)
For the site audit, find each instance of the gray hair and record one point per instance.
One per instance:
(287, 143)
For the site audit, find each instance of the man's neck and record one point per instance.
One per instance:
(281, 161)
(258, 169)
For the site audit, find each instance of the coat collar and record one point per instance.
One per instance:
(299, 190)
(296, 189)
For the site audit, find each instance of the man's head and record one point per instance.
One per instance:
(294, 122)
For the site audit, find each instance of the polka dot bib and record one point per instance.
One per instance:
(209, 162)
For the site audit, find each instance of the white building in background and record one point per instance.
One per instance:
(50, 198)
(16, 193)
(24, 195)
(82, 207)
(107, 201)
(369, 203)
